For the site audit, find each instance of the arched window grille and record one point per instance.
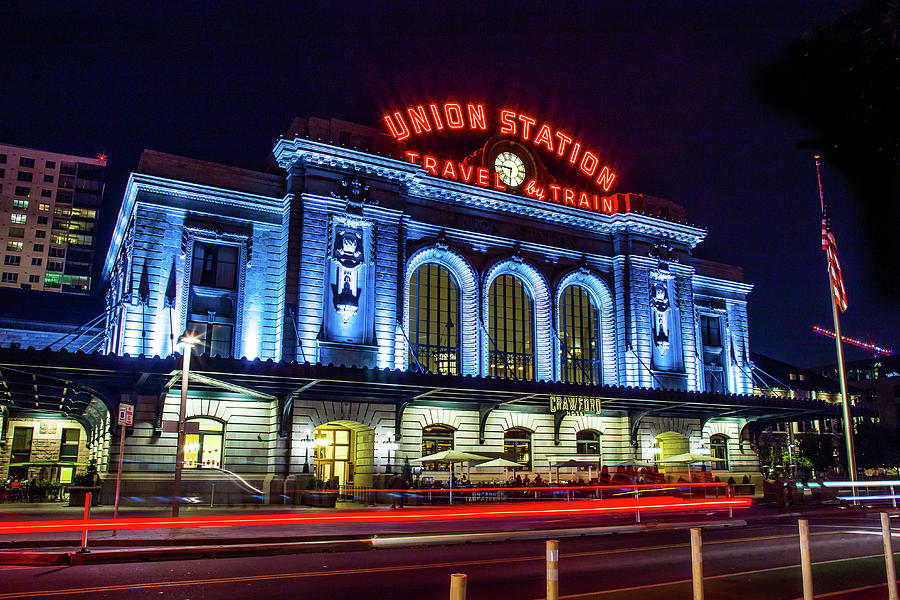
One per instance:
(718, 446)
(511, 329)
(517, 446)
(580, 344)
(434, 320)
(587, 441)
(436, 438)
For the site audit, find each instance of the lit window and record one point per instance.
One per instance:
(203, 450)
(517, 446)
(511, 329)
(17, 218)
(68, 448)
(14, 246)
(579, 329)
(436, 438)
(43, 206)
(718, 445)
(20, 203)
(434, 320)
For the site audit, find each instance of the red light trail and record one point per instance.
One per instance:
(575, 507)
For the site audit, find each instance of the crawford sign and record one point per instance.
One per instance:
(514, 157)
(575, 405)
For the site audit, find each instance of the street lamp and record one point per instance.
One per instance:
(307, 443)
(187, 342)
(390, 445)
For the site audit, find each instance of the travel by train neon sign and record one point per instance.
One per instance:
(508, 172)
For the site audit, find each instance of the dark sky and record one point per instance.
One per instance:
(665, 90)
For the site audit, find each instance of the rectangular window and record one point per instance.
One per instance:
(2, 173)
(68, 448)
(42, 220)
(12, 260)
(50, 164)
(34, 279)
(28, 163)
(214, 266)
(23, 191)
(46, 194)
(43, 206)
(58, 252)
(2, 159)
(710, 331)
(38, 248)
(36, 262)
(16, 232)
(67, 168)
(21, 446)
(23, 204)
(48, 178)
(38, 234)
(9, 278)
(25, 286)
(17, 218)
(55, 266)
(26, 176)
(14, 246)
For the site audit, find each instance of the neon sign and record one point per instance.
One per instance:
(417, 121)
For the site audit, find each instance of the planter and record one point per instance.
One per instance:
(320, 499)
(77, 492)
(744, 489)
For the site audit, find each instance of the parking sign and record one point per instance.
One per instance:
(126, 414)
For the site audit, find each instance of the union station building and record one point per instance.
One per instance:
(462, 277)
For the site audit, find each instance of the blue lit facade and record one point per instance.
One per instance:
(346, 257)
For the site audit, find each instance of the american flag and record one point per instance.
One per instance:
(830, 248)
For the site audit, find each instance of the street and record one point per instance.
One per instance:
(744, 562)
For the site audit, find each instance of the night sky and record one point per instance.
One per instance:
(665, 90)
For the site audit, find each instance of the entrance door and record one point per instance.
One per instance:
(334, 452)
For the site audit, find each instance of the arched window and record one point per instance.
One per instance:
(718, 446)
(580, 344)
(434, 320)
(517, 446)
(587, 441)
(203, 450)
(436, 438)
(511, 328)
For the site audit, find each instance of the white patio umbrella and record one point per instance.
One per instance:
(499, 462)
(452, 457)
(689, 458)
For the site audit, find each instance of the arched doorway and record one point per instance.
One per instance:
(344, 450)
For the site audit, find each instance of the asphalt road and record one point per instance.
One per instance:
(747, 562)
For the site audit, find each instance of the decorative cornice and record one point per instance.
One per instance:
(723, 284)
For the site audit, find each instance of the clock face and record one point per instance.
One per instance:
(510, 168)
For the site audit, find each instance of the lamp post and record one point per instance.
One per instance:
(390, 445)
(187, 342)
(307, 443)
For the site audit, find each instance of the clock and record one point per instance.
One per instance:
(510, 168)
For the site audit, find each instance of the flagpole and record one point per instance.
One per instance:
(845, 399)
(842, 375)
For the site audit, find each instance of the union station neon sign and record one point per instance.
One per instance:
(509, 172)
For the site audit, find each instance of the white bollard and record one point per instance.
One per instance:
(697, 563)
(805, 562)
(889, 556)
(458, 586)
(552, 569)
(637, 510)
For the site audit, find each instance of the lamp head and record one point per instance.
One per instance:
(188, 339)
